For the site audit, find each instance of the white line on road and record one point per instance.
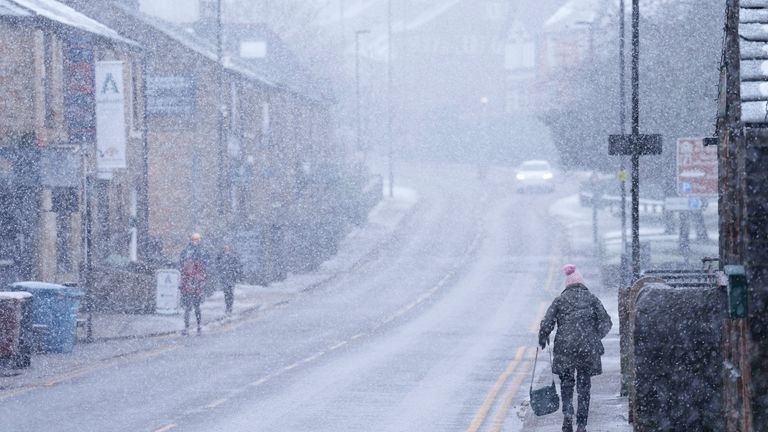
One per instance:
(338, 345)
(313, 358)
(216, 403)
(166, 428)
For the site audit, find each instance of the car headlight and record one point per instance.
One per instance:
(520, 176)
(548, 176)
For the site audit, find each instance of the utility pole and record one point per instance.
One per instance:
(224, 171)
(622, 123)
(342, 26)
(635, 131)
(390, 150)
(635, 144)
(357, 87)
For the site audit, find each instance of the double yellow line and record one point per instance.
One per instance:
(490, 399)
(514, 387)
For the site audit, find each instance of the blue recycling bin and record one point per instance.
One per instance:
(55, 306)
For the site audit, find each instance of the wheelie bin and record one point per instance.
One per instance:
(15, 329)
(56, 307)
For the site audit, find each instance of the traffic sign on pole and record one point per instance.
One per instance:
(696, 168)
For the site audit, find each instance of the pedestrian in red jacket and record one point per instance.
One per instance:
(194, 274)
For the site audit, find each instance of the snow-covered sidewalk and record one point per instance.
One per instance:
(383, 222)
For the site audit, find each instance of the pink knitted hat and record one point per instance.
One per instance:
(572, 276)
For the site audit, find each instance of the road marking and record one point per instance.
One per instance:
(216, 403)
(313, 358)
(548, 287)
(17, 392)
(337, 346)
(539, 316)
(166, 427)
(262, 380)
(86, 370)
(491, 397)
(501, 416)
(293, 366)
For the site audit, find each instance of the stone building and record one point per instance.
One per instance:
(69, 90)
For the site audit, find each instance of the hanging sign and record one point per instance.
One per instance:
(110, 116)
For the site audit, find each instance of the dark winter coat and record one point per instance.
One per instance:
(230, 268)
(582, 323)
(194, 270)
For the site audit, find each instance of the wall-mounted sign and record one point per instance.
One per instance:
(110, 116)
(170, 95)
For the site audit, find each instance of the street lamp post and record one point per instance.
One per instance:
(635, 131)
(635, 144)
(357, 86)
(622, 124)
(224, 173)
(390, 151)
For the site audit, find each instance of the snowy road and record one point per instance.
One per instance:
(433, 332)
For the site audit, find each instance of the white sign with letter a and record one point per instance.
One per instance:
(167, 298)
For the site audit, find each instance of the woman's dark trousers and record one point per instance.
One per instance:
(583, 383)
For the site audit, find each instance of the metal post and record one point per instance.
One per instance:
(636, 132)
(390, 152)
(622, 123)
(357, 85)
(224, 171)
(343, 27)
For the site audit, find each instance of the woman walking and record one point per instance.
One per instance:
(582, 323)
(194, 274)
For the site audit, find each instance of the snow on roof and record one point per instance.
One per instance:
(573, 13)
(11, 295)
(8, 8)
(753, 32)
(60, 13)
(197, 44)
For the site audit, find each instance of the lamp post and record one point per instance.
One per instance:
(635, 144)
(357, 85)
(224, 171)
(482, 166)
(622, 124)
(390, 152)
(635, 184)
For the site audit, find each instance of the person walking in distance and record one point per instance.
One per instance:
(582, 323)
(194, 267)
(230, 272)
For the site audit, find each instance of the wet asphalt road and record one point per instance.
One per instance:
(432, 333)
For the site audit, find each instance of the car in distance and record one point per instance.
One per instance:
(535, 175)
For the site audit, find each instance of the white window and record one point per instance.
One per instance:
(253, 49)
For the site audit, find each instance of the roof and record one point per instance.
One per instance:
(197, 44)
(281, 65)
(574, 13)
(54, 11)
(753, 40)
(8, 8)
